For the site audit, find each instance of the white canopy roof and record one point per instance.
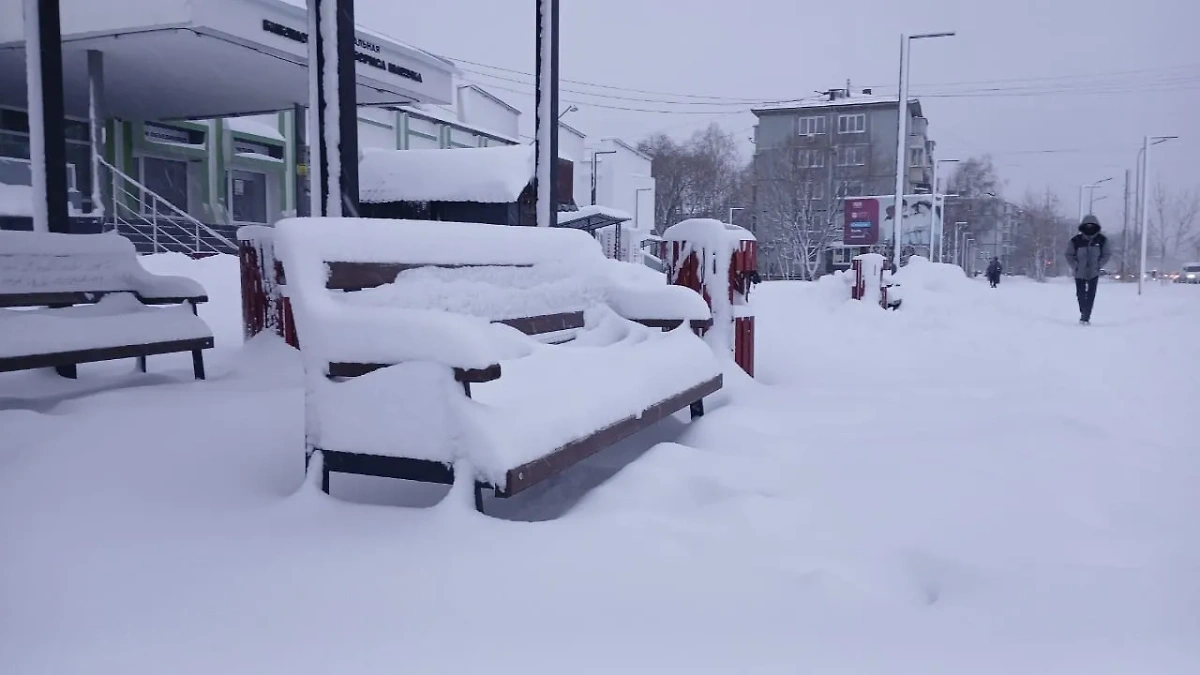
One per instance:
(186, 59)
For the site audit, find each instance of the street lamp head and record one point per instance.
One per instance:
(922, 36)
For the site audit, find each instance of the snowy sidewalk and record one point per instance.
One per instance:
(1018, 496)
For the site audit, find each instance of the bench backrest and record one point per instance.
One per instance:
(48, 269)
(356, 276)
(385, 291)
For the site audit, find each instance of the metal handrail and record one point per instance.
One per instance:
(151, 223)
(181, 213)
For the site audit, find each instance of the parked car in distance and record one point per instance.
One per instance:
(1190, 274)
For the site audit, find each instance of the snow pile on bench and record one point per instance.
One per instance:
(444, 314)
(115, 321)
(552, 396)
(47, 262)
(432, 320)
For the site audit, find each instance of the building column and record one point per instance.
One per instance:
(47, 117)
(299, 180)
(546, 123)
(333, 107)
(97, 114)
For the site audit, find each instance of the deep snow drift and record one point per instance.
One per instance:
(972, 484)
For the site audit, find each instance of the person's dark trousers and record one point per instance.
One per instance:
(1085, 292)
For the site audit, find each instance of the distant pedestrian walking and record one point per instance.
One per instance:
(994, 270)
(1086, 253)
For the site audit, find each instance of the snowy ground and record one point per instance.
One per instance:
(974, 484)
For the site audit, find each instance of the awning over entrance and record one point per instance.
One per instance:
(592, 218)
(183, 59)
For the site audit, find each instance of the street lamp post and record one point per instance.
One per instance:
(1146, 144)
(938, 225)
(594, 155)
(958, 227)
(902, 140)
(1090, 187)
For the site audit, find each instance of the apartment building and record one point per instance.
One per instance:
(843, 145)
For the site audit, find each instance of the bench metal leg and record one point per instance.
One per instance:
(198, 363)
(70, 372)
(141, 364)
(697, 409)
(324, 478)
(479, 496)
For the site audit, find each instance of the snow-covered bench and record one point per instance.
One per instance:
(517, 352)
(67, 299)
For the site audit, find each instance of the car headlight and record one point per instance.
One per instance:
(1191, 275)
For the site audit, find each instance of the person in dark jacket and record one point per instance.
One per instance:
(994, 270)
(1086, 253)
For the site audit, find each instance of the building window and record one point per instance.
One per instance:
(851, 188)
(14, 134)
(815, 190)
(916, 157)
(852, 124)
(168, 178)
(811, 159)
(248, 197)
(852, 155)
(810, 126)
(843, 256)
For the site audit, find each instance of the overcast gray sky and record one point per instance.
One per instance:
(1122, 69)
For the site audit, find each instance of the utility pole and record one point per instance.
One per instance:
(1125, 227)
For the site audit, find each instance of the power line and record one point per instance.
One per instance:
(642, 99)
(621, 107)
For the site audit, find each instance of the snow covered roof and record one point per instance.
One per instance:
(593, 210)
(492, 97)
(850, 101)
(483, 175)
(254, 127)
(184, 59)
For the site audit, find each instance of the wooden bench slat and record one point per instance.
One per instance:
(546, 323)
(83, 298)
(671, 324)
(353, 276)
(526, 475)
(466, 375)
(27, 362)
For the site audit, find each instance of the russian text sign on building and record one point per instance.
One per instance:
(862, 222)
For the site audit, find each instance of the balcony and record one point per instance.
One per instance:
(918, 126)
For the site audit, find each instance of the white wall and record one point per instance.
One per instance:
(621, 178)
(376, 129)
(571, 145)
(479, 110)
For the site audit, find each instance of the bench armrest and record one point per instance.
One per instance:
(659, 306)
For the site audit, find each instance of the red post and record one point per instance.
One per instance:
(684, 268)
(263, 305)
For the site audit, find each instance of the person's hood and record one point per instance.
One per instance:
(1090, 225)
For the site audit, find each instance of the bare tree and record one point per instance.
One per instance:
(975, 178)
(700, 178)
(799, 207)
(1040, 234)
(1173, 224)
